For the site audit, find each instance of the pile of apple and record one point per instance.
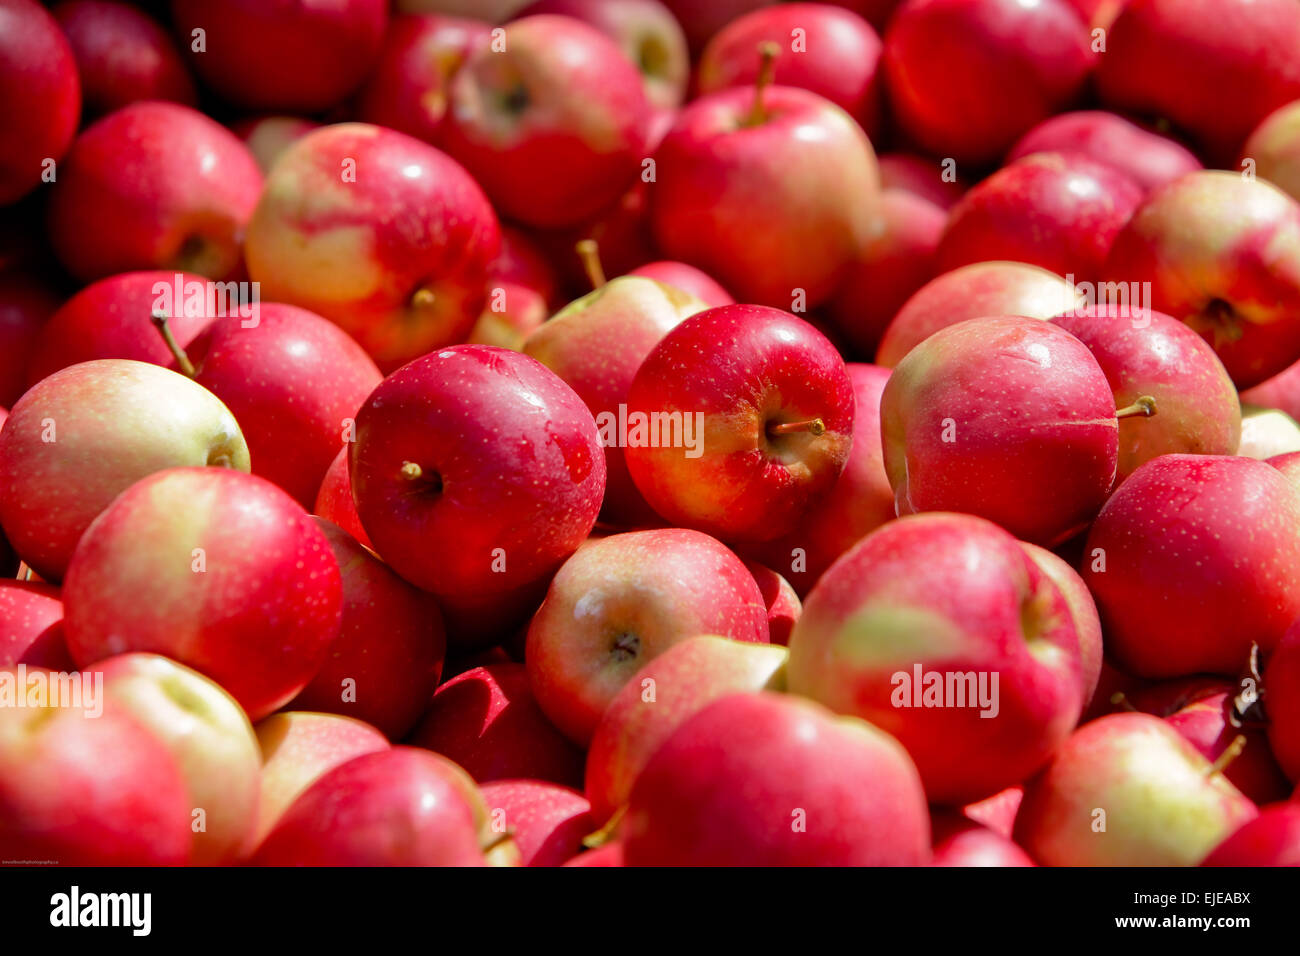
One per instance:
(911, 478)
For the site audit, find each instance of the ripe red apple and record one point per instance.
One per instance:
(1056, 210)
(88, 786)
(781, 600)
(859, 502)
(1271, 839)
(26, 304)
(334, 499)
(398, 807)
(1222, 254)
(546, 821)
(554, 124)
(647, 33)
(41, 92)
(31, 626)
(489, 453)
(701, 19)
(596, 344)
(378, 232)
(267, 137)
(123, 55)
(967, 77)
(486, 720)
(1282, 703)
(210, 739)
(962, 433)
(940, 630)
(724, 199)
(973, 291)
(110, 319)
(1144, 352)
(689, 279)
(769, 780)
(1148, 158)
(1156, 56)
(1083, 614)
(521, 262)
(297, 750)
(409, 88)
(1274, 147)
(1191, 562)
(388, 656)
(898, 259)
(661, 696)
(621, 601)
(85, 434)
(1282, 392)
(748, 419)
(293, 381)
(922, 177)
(835, 53)
(296, 56)
(1128, 790)
(962, 842)
(178, 188)
(219, 570)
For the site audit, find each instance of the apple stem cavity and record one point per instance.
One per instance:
(1230, 753)
(589, 252)
(1144, 406)
(814, 426)
(183, 362)
(767, 54)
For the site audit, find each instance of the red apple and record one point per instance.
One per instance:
(1056, 210)
(1146, 157)
(31, 626)
(746, 419)
(42, 95)
(522, 263)
(409, 88)
(210, 739)
(769, 780)
(967, 77)
(546, 821)
(290, 55)
(1274, 148)
(962, 433)
(1083, 613)
(111, 319)
(701, 19)
(1191, 562)
(554, 124)
(1156, 56)
(962, 842)
(941, 630)
(689, 279)
(398, 807)
(178, 188)
(724, 199)
(859, 502)
(293, 381)
(1282, 703)
(378, 232)
(334, 499)
(1128, 790)
(388, 656)
(662, 695)
(1282, 392)
(1271, 839)
(781, 600)
(267, 137)
(123, 55)
(823, 48)
(87, 785)
(608, 854)
(297, 750)
(26, 304)
(997, 812)
(489, 453)
(647, 33)
(486, 720)
(219, 570)
(1144, 352)
(1222, 254)
(85, 434)
(973, 291)
(922, 177)
(620, 602)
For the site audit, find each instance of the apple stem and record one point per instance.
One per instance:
(767, 54)
(589, 252)
(1144, 406)
(411, 471)
(422, 299)
(182, 360)
(1230, 753)
(602, 836)
(814, 426)
(1119, 699)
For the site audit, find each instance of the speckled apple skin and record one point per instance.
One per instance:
(548, 821)
(334, 499)
(30, 628)
(1282, 681)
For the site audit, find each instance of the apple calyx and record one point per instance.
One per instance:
(1230, 753)
(599, 838)
(159, 319)
(814, 426)
(768, 51)
(589, 253)
(1144, 406)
